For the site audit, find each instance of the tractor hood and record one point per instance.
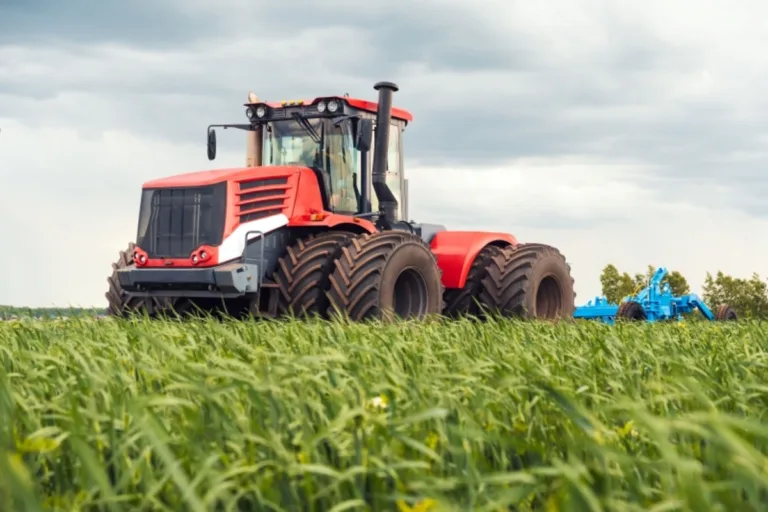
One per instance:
(211, 177)
(221, 207)
(251, 193)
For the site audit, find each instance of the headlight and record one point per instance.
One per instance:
(333, 106)
(321, 107)
(256, 111)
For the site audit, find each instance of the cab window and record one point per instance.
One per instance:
(394, 170)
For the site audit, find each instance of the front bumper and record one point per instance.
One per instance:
(228, 280)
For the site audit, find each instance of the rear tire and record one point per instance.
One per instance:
(386, 275)
(303, 274)
(726, 313)
(529, 281)
(464, 301)
(120, 304)
(631, 311)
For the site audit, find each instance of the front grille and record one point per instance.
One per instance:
(173, 222)
(261, 198)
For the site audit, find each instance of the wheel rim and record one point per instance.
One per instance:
(549, 298)
(410, 294)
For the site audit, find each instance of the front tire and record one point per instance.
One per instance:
(303, 274)
(386, 275)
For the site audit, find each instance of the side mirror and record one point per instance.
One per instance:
(364, 136)
(211, 144)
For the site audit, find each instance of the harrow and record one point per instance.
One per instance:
(653, 303)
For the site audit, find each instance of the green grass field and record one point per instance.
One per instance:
(314, 416)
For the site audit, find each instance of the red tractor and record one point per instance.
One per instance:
(317, 223)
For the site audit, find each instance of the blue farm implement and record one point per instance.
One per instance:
(653, 303)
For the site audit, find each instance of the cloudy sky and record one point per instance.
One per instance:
(621, 132)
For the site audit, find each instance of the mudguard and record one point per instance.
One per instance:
(330, 221)
(457, 250)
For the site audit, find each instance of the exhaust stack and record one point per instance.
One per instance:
(253, 140)
(387, 200)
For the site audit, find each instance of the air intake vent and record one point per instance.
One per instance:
(261, 198)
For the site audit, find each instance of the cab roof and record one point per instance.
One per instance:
(360, 104)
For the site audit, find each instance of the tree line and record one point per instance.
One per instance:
(749, 297)
(7, 312)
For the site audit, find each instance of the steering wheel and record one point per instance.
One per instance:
(336, 161)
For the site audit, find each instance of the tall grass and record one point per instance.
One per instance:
(207, 415)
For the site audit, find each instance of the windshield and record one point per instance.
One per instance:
(320, 144)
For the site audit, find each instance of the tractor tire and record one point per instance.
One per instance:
(120, 304)
(464, 301)
(726, 313)
(531, 246)
(631, 311)
(303, 274)
(529, 281)
(384, 276)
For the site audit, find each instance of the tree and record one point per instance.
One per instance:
(616, 286)
(749, 297)
(678, 283)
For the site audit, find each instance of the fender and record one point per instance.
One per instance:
(328, 220)
(457, 250)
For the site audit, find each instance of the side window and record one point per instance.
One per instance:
(394, 172)
(344, 163)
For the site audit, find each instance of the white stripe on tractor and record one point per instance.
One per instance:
(232, 247)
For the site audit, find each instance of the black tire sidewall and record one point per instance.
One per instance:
(726, 313)
(637, 312)
(551, 266)
(415, 256)
(633, 312)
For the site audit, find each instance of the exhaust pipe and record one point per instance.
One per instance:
(387, 200)
(253, 140)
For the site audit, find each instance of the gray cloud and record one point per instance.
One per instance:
(139, 22)
(510, 90)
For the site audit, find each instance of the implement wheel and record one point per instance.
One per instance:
(386, 275)
(529, 281)
(726, 313)
(303, 274)
(631, 311)
(121, 305)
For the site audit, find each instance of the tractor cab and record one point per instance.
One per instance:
(336, 138)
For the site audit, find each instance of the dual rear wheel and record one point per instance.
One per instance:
(524, 281)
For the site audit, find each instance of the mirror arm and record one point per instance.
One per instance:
(212, 135)
(247, 127)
